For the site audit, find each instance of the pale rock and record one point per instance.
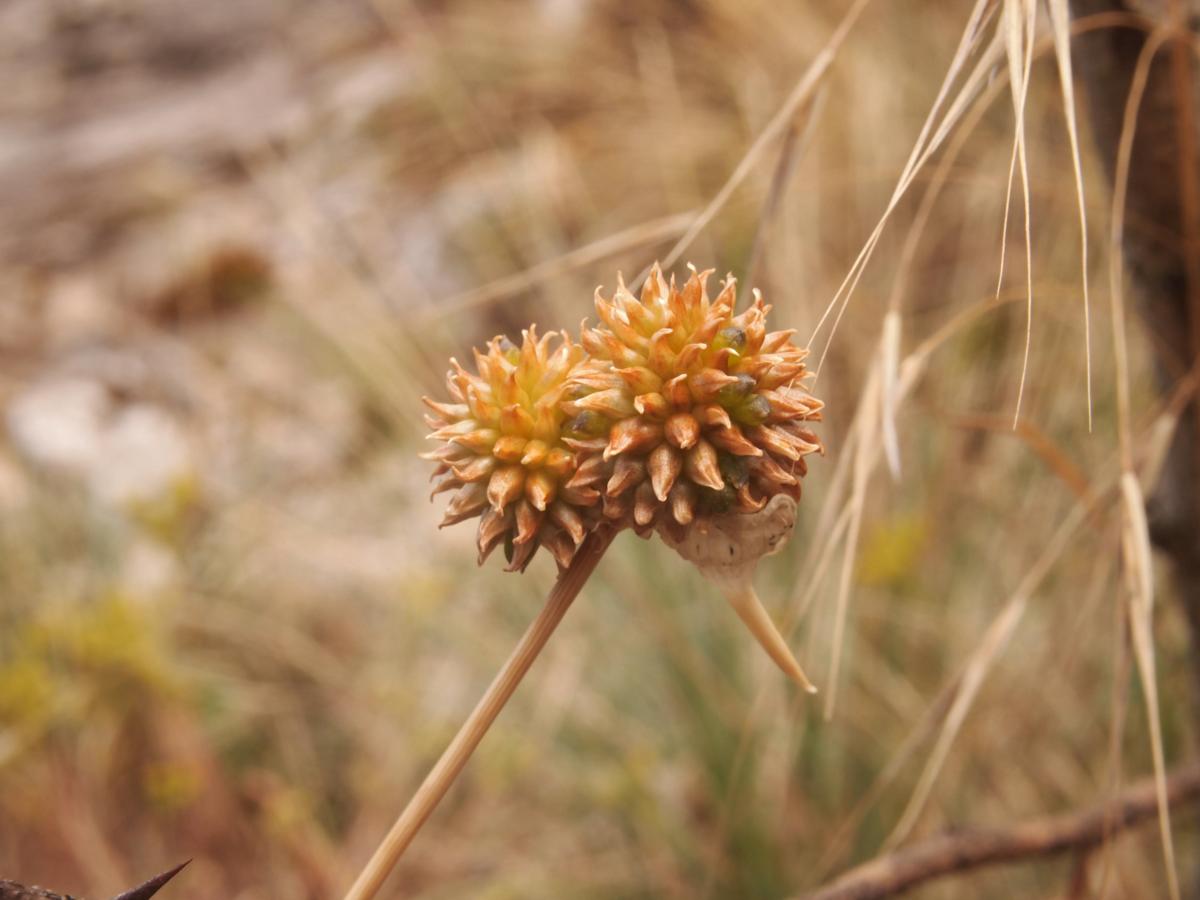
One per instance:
(123, 453)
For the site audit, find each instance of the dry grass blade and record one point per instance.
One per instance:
(972, 678)
(840, 515)
(1019, 21)
(923, 149)
(1053, 455)
(863, 464)
(503, 288)
(795, 145)
(889, 356)
(1060, 24)
(1135, 540)
(800, 94)
(1135, 532)
(977, 667)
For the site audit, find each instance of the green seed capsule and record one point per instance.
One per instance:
(588, 424)
(751, 411)
(732, 337)
(732, 394)
(510, 350)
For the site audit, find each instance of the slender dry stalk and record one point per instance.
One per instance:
(455, 756)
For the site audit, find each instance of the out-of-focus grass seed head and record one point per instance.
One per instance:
(684, 409)
(503, 453)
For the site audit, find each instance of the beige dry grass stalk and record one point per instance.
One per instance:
(1135, 536)
(467, 738)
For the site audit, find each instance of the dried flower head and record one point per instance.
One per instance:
(692, 419)
(685, 409)
(503, 452)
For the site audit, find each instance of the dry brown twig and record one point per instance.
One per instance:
(964, 850)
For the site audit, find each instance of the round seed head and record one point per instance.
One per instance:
(504, 453)
(701, 404)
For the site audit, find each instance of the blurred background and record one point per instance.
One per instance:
(239, 240)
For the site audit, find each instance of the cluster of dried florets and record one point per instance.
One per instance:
(674, 413)
(504, 452)
(671, 410)
(687, 409)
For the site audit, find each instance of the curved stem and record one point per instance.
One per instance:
(455, 756)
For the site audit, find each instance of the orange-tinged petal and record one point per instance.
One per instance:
(617, 507)
(466, 504)
(454, 429)
(747, 502)
(654, 288)
(565, 517)
(733, 441)
(768, 469)
(727, 298)
(528, 520)
(776, 340)
(724, 359)
(682, 430)
(707, 383)
(614, 403)
(521, 555)
(493, 526)
(773, 441)
(559, 463)
(561, 548)
(449, 412)
(701, 466)
(481, 440)
(661, 357)
(689, 356)
(505, 486)
(445, 481)
(678, 304)
(515, 419)
(676, 391)
(579, 496)
(632, 435)
(509, 448)
(664, 465)
(683, 503)
(713, 416)
(596, 376)
(617, 324)
(653, 405)
(540, 488)
(640, 380)
(448, 453)
(645, 504)
(591, 471)
(477, 469)
(535, 454)
(627, 472)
